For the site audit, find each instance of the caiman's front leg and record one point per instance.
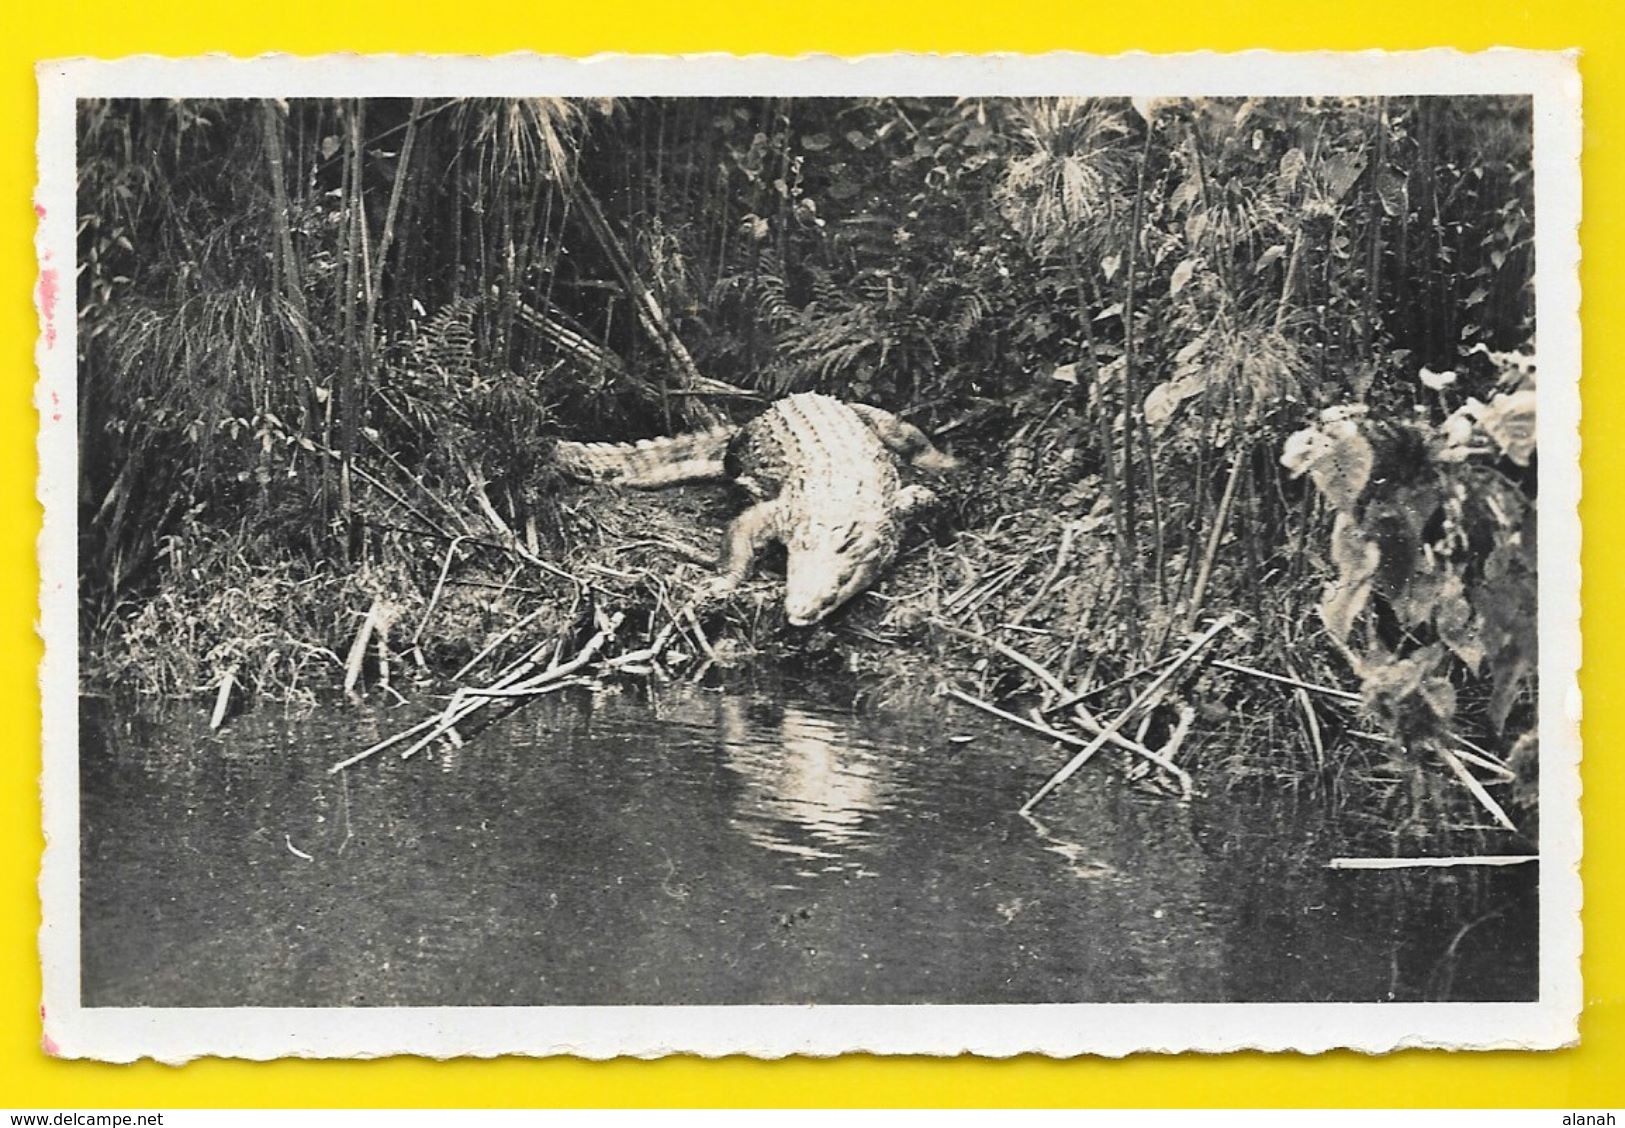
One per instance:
(747, 536)
(913, 499)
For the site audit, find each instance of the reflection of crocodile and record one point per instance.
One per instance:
(825, 475)
(809, 785)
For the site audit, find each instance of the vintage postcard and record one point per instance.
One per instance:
(719, 555)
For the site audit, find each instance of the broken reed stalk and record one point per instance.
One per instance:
(1282, 679)
(496, 642)
(699, 633)
(1164, 759)
(1491, 765)
(984, 587)
(222, 699)
(1079, 713)
(440, 584)
(387, 742)
(1506, 775)
(427, 722)
(507, 539)
(648, 653)
(467, 703)
(453, 706)
(1122, 718)
(1062, 553)
(1311, 723)
(1187, 715)
(1080, 698)
(1218, 664)
(1486, 754)
(1038, 726)
(1429, 863)
(358, 648)
(552, 686)
(382, 645)
(1039, 671)
(1471, 784)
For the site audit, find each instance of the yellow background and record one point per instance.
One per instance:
(38, 29)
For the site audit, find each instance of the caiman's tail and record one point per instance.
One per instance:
(651, 463)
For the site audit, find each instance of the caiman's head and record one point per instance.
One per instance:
(827, 564)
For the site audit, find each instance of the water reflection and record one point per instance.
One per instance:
(678, 845)
(1079, 858)
(809, 793)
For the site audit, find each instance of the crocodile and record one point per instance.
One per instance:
(826, 476)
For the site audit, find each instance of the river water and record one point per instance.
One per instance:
(688, 845)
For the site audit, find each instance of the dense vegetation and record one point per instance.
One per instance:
(1268, 358)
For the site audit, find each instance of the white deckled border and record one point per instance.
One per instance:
(125, 1034)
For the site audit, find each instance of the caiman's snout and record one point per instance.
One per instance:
(816, 584)
(803, 608)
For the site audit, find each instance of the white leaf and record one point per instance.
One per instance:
(1159, 406)
(1182, 275)
(1269, 256)
(1185, 355)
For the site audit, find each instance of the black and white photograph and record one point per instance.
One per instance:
(762, 556)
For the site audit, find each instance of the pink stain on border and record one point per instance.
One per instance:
(47, 304)
(56, 407)
(39, 210)
(48, 1043)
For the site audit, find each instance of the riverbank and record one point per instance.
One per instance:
(1006, 596)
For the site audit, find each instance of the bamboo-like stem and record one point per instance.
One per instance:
(1221, 518)
(1374, 214)
(402, 167)
(1289, 282)
(293, 290)
(1131, 388)
(646, 308)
